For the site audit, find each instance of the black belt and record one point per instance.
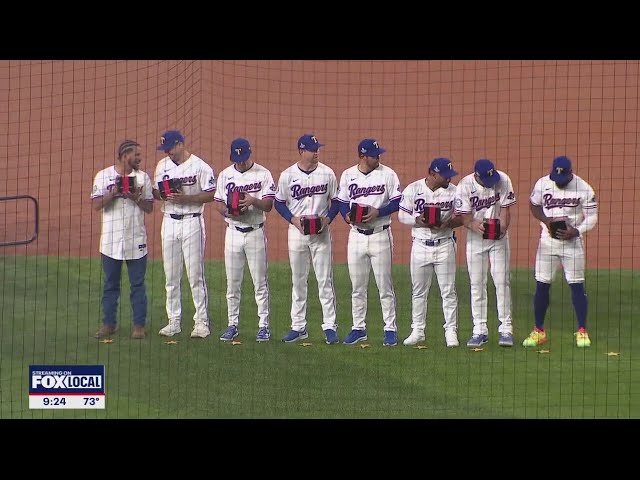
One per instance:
(248, 229)
(186, 215)
(371, 231)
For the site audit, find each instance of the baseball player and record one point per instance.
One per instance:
(481, 198)
(309, 188)
(565, 197)
(123, 237)
(433, 247)
(183, 231)
(245, 240)
(370, 245)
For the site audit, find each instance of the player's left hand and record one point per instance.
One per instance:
(567, 234)
(246, 202)
(177, 197)
(135, 196)
(325, 222)
(371, 214)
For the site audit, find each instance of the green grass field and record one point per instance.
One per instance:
(50, 309)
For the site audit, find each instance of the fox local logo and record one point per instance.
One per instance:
(74, 378)
(65, 380)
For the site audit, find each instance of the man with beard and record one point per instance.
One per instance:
(123, 193)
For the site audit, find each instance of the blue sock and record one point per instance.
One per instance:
(541, 303)
(579, 298)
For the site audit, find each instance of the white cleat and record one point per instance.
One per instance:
(171, 329)
(416, 337)
(451, 337)
(201, 330)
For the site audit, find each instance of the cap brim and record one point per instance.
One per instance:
(242, 158)
(375, 153)
(449, 174)
(314, 150)
(491, 180)
(559, 178)
(165, 148)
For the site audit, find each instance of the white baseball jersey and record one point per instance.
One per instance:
(196, 175)
(256, 181)
(376, 188)
(307, 193)
(417, 196)
(123, 236)
(574, 202)
(483, 202)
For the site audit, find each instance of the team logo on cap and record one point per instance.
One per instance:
(559, 170)
(240, 151)
(490, 172)
(162, 140)
(375, 145)
(302, 146)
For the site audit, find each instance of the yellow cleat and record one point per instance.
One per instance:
(582, 339)
(534, 339)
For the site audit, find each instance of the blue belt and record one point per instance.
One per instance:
(248, 229)
(186, 215)
(371, 231)
(433, 243)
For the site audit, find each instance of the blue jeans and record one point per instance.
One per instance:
(112, 273)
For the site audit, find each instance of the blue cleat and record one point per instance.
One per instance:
(390, 338)
(294, 336)
(264, 335)
(506, 340)
(331, 336)
(477, 340)
(230, 333)
(355, 336)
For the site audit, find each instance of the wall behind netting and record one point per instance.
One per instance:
(62, 121)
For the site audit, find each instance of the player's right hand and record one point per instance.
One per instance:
(477, 226)
(420, 221)
(347, 218)
(297, 222)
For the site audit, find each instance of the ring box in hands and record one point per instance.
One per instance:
(233, 203)
(491, 228)
(432, 216)
(555, 225)
(357, 212)
(169, 186)
(311, 224)
(126, 184)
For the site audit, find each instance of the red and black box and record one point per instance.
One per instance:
(169, 186)
(432, 216)
(357, 212)
(555, 225)
(233, 203)
(311, 224)
(126, 184)
(491, 228)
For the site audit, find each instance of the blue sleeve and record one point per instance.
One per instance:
(392, 206)
(333, 211)
(283, 210)
(344, 209)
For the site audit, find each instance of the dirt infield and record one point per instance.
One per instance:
(62, 121)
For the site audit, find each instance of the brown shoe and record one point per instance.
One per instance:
(106, 331)
(138, 332)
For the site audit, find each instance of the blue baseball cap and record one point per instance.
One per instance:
(240, 150)
(486, 171)
(443, 166)
(309, 142)
(561, 170)
(169, 139)
(370, 148)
